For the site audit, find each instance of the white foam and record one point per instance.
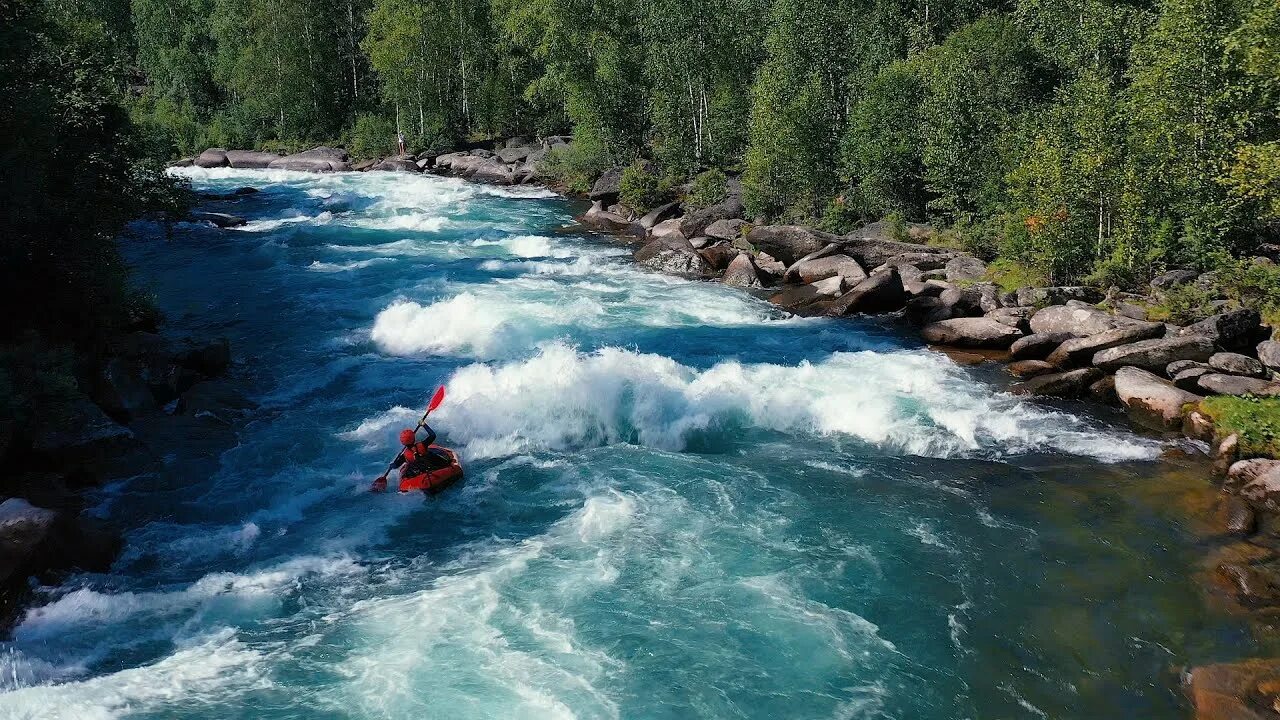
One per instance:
(470, 326)
(323, 218)
(324, 267)
(909, 402)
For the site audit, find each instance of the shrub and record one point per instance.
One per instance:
(372, 136)
(1255, 420)
(1182, 305)
(579, 163)
(1253, 285)
(707, 189)
(641, 189)
(1010, 275)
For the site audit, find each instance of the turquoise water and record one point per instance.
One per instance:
(680, 502)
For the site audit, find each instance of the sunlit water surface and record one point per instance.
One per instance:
(680, 502)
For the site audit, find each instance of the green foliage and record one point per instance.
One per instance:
(1182, 305)
(578, 164)
(1255, 420)
(1010, 275)
(707, 189)
(1252, 285)
(372, 136)
(641, 189)
(881, 151)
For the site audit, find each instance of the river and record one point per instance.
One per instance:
(679, 501)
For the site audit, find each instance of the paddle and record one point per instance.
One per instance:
(381, 483)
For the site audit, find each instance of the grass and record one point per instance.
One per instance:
(1010, 275)
(1255, 420)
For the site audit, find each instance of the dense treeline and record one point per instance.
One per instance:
(1072, 138)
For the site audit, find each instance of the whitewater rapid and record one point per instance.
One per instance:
(681, 501)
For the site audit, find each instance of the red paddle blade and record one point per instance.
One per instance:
(436, 400)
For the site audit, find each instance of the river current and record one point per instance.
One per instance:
(680, 502)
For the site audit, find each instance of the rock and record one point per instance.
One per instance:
(965, 267)
(651, 219)
(514, 154)
(788, 243)
(396, 165)
(1177, 366)
(921, 260)
(122, 391)
(211, 158)
(1251, 587)
(672, 256)
(1079, 351)
(796, 297)
(1174, 278)
(971, 332)
(1197, 426)
(24, 531)
(881, 292)
(719, 256)
(1079, 321)
(1030, 368)
(1237, 364)
(222, 220)
(1233, 330)
(1219, 384)
(1225, 453)
(210, 359)
(873, 246)
(1041, 296)
(923, 310)
(726, 229)
(1129, 310)
(1070, 384)
(697, 222)
(1230, 691)
(607, 186)
(1262, 490)
(1242, 472)
(1104, 390)
(364, 165)
(1037, 346)
(989, 300)
(742, 273)
(1189, 379)
(665, 229)
(768, 265)
(962, 302)
(810, 271)
(1154, 354)
(831, 287)
(1017, 317)
(250, 158)
(320, 159)
(599, 218)
(1152, 400)
(1236, 517)
(1269, 354)
(81, 433)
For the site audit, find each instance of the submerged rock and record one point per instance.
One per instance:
(24, 531)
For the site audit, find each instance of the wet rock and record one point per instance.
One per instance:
(1219, 384)
(81, 433)
(662, 213)
(1251, 586)
(1225, 453)
(1237, 364)
(211, 158)
(1030, 368)
(220, 398)
(1037, 346)
(796, 297)
(809, 271)
(923, 310)
(320, 159)
(404, 163)
(769, 267)
(1245, 472)
(832, 287)
(1104, 390)
(1234, 330)
(1155, 354)
(24, 533)
(965, 268)
(122, 391)
(1079, 351)
(788, 243)
(742, 273)
(719, 256)
(250, 158)
(607, 186)
(222, 220)
(675, 256)
(602, 219)
(210, 359)
(697, 222)
(1152, 400)
(727, 229)
(978, 332)
(1269, 354)
(1174, 278)
(1236, 517)
(1198, 426)
(1231, 691)
(1080, 321)
(1042, 296)
(1016, 317)
(1070, 384)
(881, 292)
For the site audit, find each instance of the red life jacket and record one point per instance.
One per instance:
(417, 451)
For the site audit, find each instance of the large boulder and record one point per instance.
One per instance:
(719, 255)
(1259, 483)
(1237, 364)
(1152, 400)
(211, 158)
(1041, 296)
(924, 309)
(514, 154)
(1013, 317)
(1030, 368)
(797, 297)
(24, 532)
(250, 158)
(839, 265)
(651, 219)
(1070, 384)
(209, 358)
(873, 245)
(696, 222)
(881, 292)
(1079, 351)
(1269, 354)
(320, 159)
(727, 229)
(672, 256)
(788, 243)
(397, 164)
(1219, 384)
(1155, 354)
(965, 268)
(666, 228)
(599, 218)
(1232, 330)
(1037, 346)
(607, 186)
(1071, 319)
(742, 273)
(979, 332)
(1173, 278)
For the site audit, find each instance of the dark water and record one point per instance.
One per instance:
(680, 503)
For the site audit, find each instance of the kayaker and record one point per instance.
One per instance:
(416, 458)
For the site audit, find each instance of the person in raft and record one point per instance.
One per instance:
(416, 458)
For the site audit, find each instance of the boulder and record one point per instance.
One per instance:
(24, 533)
(672, 256)
(122, 391)
(1233, 330)
(1198, 426)
(81, 433)
(1070, 384)
(514, 154)
(696, 222)
(742, 273)
(719, 256)
(770, 266)
(989, 299)
(1079, 351)
(962, 302)
(211, 158)
(1152, 400)
(965, 267)
(881, 292)
(832, 287)
(978, 332)
(1219, 384)
(1189, 379)
(666, 228)
(1237, 364)
(250, 158)
(726, 229)
(788, 243)
(1018, 317)
(651, 219)
(396, 165)
(1079, 321)
(809, 271)
(320, 159)
(796, 297)
(1129, 310)
(1037, 346)
(1260, 486)
(607, 186)
(924, 310)
(1041, 296)
(1269, 354)
(599, 218)
(1178, 366)
(1155, 354)
(923, 261)
(1030, 368)
(873, 246)
(1103, 390)
(1173, 278)
(222, 220)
